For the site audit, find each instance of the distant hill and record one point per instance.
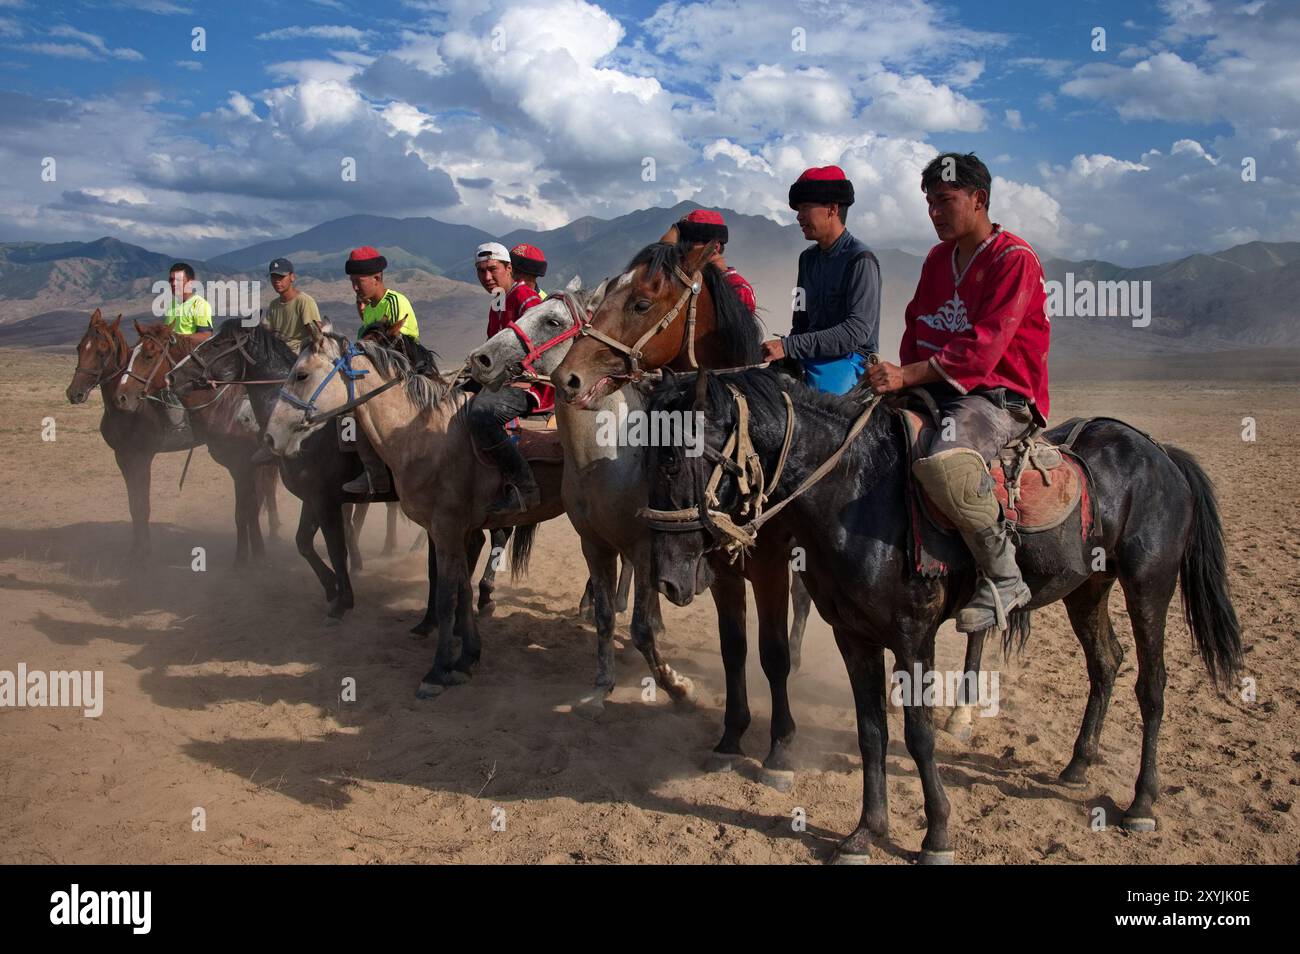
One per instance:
(1242, 297)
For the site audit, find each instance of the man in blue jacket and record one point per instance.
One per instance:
(836, 323)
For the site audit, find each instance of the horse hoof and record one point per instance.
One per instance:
(928, 857)
(684, 691)
(723, 761)
(1138, 823)
(429, 690)
(458, 677)
(780, 779)
(962, 733)
(421, 631)
(842, 857)
(486, 609)
(592, 705)
(1073, 786)
(331, 621)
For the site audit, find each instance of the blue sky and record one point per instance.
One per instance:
(502, 114)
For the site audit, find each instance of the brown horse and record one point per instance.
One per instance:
(670, 309)
(224, 421)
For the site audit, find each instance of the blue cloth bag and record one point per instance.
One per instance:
(834, 375)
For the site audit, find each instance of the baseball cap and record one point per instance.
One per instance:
(280, 266)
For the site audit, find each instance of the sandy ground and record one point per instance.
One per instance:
(223, 691)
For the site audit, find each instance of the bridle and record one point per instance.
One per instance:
(165, 354)
(102, 375)
(207, 380)
(342, 367)
(735, 534)
(633, 352)
(532, 352)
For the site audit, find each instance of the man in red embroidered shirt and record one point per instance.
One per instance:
(703, 226)
(511, 278)
(976, 337)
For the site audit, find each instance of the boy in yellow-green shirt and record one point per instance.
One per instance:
(187, 313)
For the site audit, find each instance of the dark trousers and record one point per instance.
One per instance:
(491, 411)
(984, 422)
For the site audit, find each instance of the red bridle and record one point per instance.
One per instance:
(532, 351)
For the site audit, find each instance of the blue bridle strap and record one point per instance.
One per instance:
(342, 366)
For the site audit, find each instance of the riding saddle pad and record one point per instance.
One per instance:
(1038, 484)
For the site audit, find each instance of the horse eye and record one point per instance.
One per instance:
(553, 322)
(301, 376)
(642, 306)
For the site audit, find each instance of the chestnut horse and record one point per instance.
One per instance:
(224, 422)
(671, 310)
(135, 438)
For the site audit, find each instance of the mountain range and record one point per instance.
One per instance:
(1242, 297)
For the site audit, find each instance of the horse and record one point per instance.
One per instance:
(135, 438)
(423, 359)
(419, 430)
(680, 313)
(224, 422)
(1157, 525)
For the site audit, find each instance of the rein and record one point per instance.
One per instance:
(342, 367)
(633, 353)
(739, 458)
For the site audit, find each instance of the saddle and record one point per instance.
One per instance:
(537, 438)
(1038, 484)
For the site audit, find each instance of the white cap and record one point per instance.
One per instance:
(492, 251)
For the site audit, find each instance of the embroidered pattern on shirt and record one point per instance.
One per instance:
(951, 316)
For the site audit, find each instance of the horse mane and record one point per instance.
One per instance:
(737, 328)
(423, 391)
(422, 360)
(263, 345)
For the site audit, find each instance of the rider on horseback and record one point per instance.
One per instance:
(511, 278)
(703, 226)
(976, 337)
(838, 324)
(377, 304)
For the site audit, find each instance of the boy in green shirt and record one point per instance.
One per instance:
(187, 313)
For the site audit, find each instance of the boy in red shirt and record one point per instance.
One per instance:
(703, 226)
(976, 336)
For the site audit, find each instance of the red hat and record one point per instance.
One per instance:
(528, 260)
(702, 225)
(365, 260)
(822, 184)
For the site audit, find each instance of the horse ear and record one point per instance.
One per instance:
(696, 260)
(670, 237)
(575, 284)
(394, 328)
(116, 321)
(702, 390)
(97, 317)
(138, 329)
(597, 295)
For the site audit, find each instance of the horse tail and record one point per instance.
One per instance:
(1203, 576)
(521, 549)
(1016, 635)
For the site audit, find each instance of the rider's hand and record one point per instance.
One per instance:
(885, 377)
(773, 350)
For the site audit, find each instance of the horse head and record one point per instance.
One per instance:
(101, 353)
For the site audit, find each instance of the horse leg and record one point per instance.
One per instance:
(585, 611)
(488, 581)
(601, 564)
(729, 599)
(771, 583)
(645, 607)
(253, 515)
(466, 622)
(452, 575)
(269, 478)
(305, 540)
(960, 718)
(624, 586)
(334, 527)
(918, 733)
(430, 621)
(244, 489)
(137, 471)
(1147, 598)
(390, 531)
(1089, 615)
(802, 601)
(866, 667)
(354, 518)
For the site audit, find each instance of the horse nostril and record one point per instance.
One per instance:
(573, 383)
(270, 441)
(483, 361)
